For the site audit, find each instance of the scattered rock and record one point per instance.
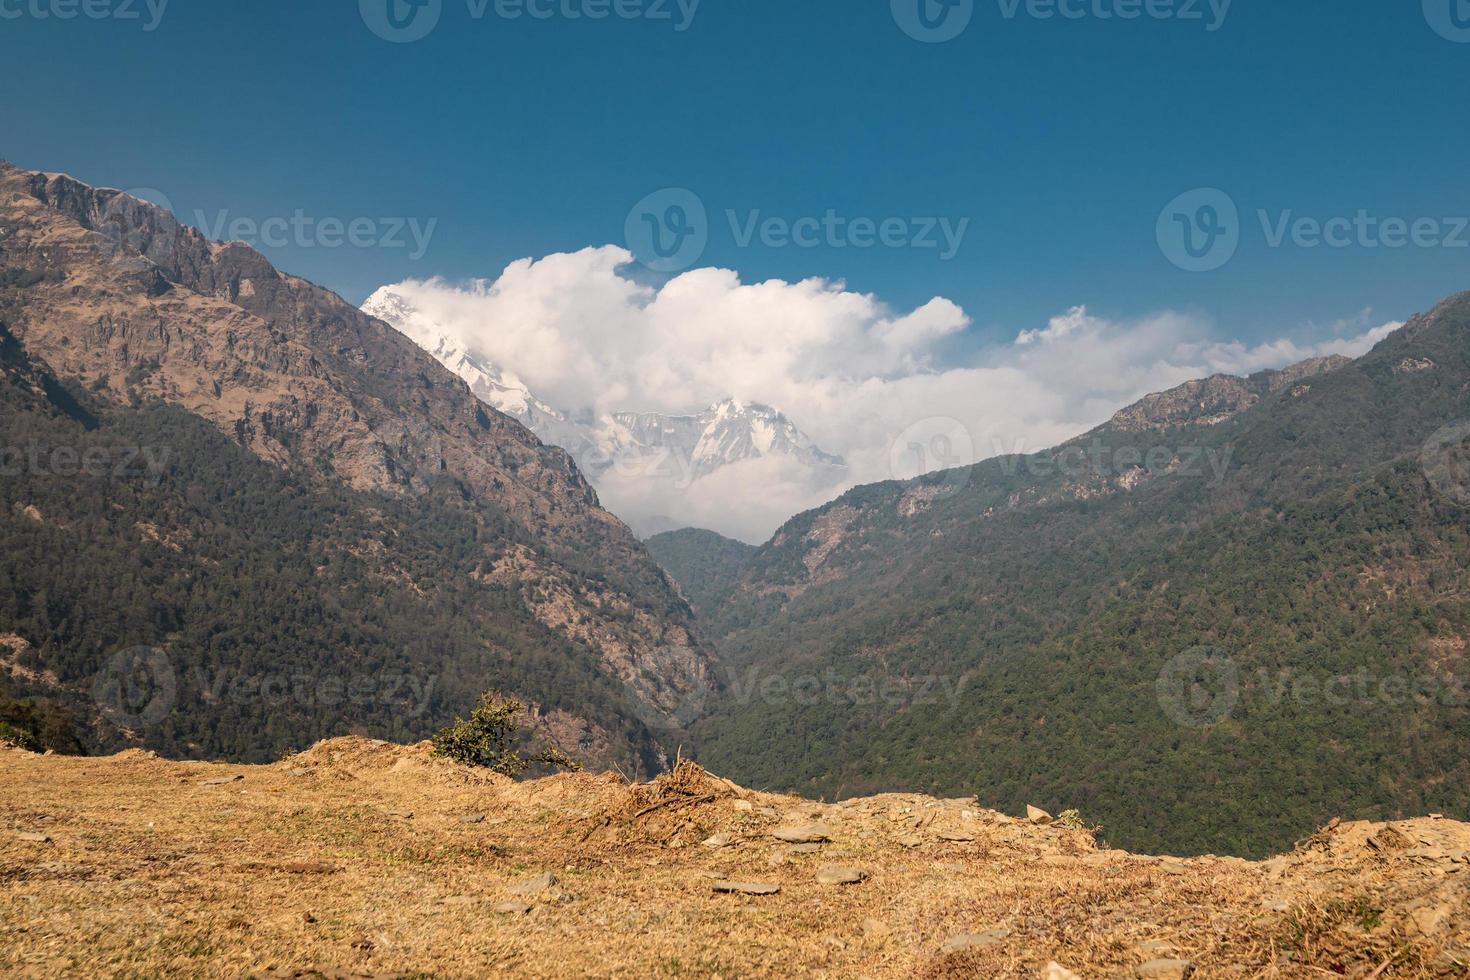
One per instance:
(744, 806)
(746, 888)
(533, 886)
(910, 841)
(876, 928)
(513, 908)
(719, 840)
(401, 814)
(1055, 971)
(1037, 815)
(1166, 970)
(834, 875)
(472, 818)
(220, 780)
(298, 773)
(975, 940)
(1155, 948)
(957, 836)
(32, 837)
(807, 834)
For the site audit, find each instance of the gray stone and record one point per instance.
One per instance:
(472, 818)
(975, 940)
(513, 908)
(834, 875)
(1166, 970)
(746, 888)
(808, 834)
(533, 886)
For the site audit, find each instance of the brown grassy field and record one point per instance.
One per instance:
(359, 858)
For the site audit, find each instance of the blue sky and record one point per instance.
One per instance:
(1058, 140)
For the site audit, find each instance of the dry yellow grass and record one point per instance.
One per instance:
(314, 867)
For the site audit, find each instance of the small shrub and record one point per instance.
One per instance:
(488, 739)
(10, 735)
(1072, 820)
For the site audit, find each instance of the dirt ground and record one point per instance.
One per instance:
(359, 858)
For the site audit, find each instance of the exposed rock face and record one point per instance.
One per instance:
(115, 295)
(1212, 400)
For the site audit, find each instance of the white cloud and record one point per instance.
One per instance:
(848, 370)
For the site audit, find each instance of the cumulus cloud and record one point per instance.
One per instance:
(856, 375)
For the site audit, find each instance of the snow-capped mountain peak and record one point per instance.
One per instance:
(678, 448)
(496, 387)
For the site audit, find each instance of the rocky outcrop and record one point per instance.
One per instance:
(1215, 399)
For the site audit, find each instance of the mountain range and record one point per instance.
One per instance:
(662, 452)
(238, 515)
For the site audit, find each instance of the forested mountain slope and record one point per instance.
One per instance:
(703, 564)
(1236, 610)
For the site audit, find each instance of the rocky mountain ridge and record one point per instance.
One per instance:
(1212, 400)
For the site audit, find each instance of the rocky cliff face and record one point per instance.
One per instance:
(114, 296)
(1215, 399)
